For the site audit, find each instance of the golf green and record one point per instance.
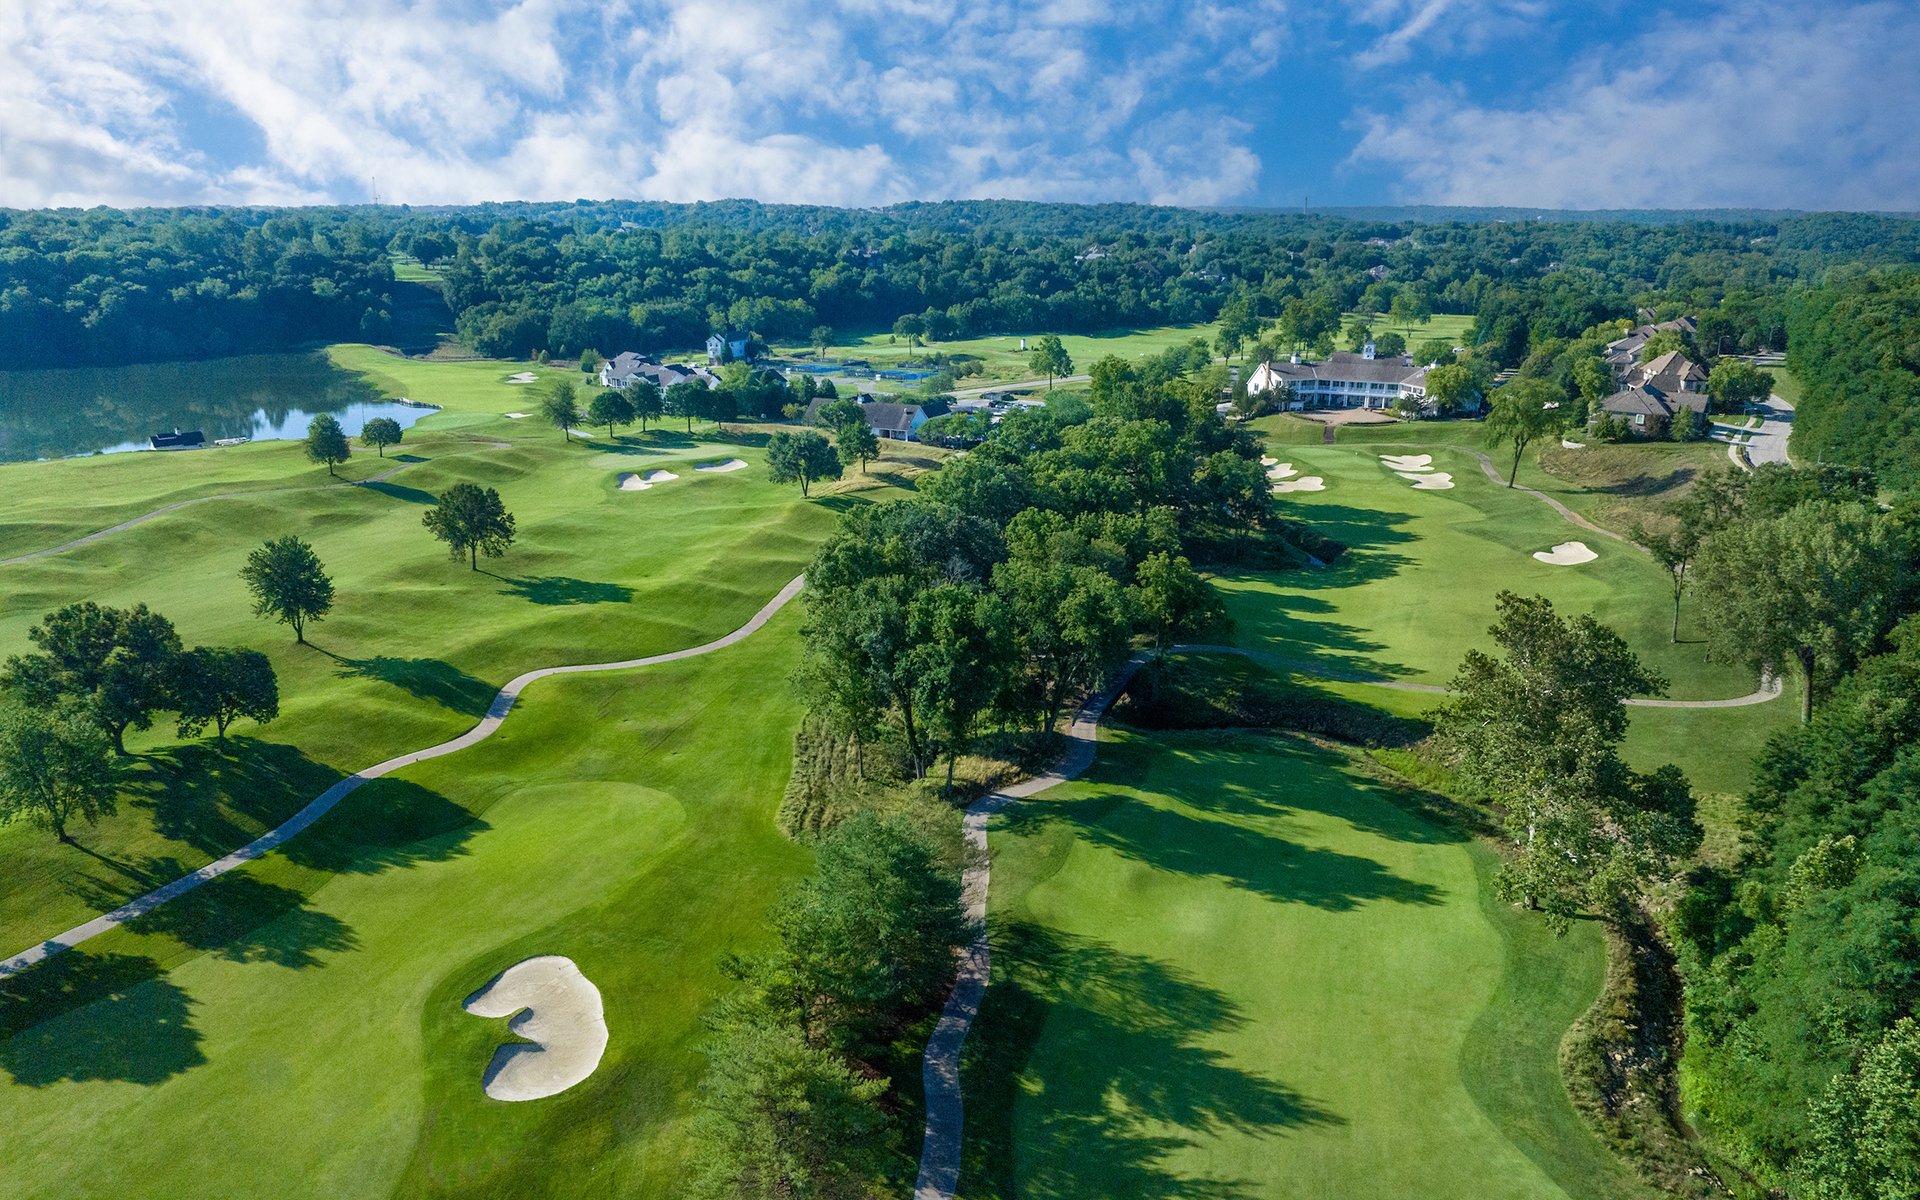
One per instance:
(1237, 966)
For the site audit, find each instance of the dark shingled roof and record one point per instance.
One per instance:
(1648, 401)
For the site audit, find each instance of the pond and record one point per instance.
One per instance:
(88, 410)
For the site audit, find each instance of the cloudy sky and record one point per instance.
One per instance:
(1575, 104)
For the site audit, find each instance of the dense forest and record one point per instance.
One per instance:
(105, 287)
(1855, 345)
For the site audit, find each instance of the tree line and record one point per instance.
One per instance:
(113, 287)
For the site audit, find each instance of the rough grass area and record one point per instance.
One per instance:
(1239, 965)
(1624, 484)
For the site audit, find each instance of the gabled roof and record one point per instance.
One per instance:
(1345, 367)
(1673, 364)
(1653, 402)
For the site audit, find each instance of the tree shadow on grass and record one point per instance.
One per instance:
(1260, 775)
(410, 495)
(1241, 857)
(424, 678)
(80, 1016)
(1123, 1080)
(215, 799)
(243, 918)
(386, 824)
(561, 590)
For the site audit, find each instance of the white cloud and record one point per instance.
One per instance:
(1748, 106)
(863, 101)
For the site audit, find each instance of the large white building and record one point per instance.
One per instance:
(1343, 380)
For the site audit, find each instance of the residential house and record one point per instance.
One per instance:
(1343, 380)
(730, 346)
(1649, 408)
(1624, 352)
(622, 369)
(1672, 372)
(897, 421)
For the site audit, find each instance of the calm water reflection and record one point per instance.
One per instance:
(49, 414)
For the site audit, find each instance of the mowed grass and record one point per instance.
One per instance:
(1239, 966)
(294, 1029)
(1417, 584)
(1000, 355)
(417, 644)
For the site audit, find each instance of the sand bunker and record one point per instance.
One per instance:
(629, 482)
(1280, 471)
(1306, 483)
(1570, 444)
(516, 416)
(523, 377)
(1432, 481)
(559, 1014)
(1267, 461)
(1407, 462)
(732, 464)
(1566, 554)
(658, 477)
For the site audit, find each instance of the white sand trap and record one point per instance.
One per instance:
(516, 416)
(732, 464)
(1432, 481)
(1280, 471)
(1306, 483)
(1567, 554)
(653, 477)
(1267, 461)
(1570, 444)
(559, 1014)
(629, 482)
(1407, 462)
(523, 377)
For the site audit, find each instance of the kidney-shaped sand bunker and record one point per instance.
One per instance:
(558, 1012)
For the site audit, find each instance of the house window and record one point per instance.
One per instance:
(1639, 418)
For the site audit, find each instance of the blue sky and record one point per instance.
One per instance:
(1216, 102)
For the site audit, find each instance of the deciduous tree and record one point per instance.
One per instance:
(380, 433)
(471, 520)
(54, 766)
(804, 458)
(288, 583)
(326, 442)
(1520, 416)
(219, 684)
(1050, 358)
(561, 407)
(610, 407)
(117, 662)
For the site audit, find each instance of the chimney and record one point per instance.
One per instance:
(1366, 351)
(1296, 358)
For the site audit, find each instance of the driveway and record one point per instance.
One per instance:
(1769, 442)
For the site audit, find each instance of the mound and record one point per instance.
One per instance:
(1567, 554)
(731, 464)
(1433, 481)
(1306, 483)
(561, 1017)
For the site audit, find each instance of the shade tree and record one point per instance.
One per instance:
(217, 685)
(117, 663)
(288, 583)
(326, 442)
(381, 432)
(610, 407)
(55, 766)
(1050, 358)
(471, 520)
(1520, 416)
(560, 407)
(804, 457)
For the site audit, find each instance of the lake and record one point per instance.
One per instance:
(87, 410)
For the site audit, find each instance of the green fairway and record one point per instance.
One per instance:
(1237, 966)
(1416, 586)
(306, 1037)
(416, 644)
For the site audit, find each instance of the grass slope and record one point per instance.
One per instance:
(294, 1029)
(416, 645)
(1236, 966)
